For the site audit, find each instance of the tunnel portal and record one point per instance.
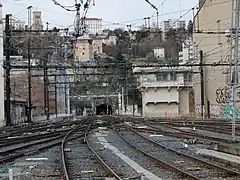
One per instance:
(104, 109)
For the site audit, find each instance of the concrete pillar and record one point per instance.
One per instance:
(2, 113)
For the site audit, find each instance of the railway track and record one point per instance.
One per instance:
(218, 127)
(81, 157)
(175, 132)
(5, 132)
(188, 166)
(15, 151)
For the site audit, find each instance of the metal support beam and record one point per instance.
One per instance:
(236, 62)
(8, 69)
(202, 84)
(29, 115)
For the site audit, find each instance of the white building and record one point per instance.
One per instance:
(2, 112)
(93, 25)
(110, 40)
(187, 53)
(159, 53)
(166, 92)
(37, 20)
(15, 23)
(172, 24)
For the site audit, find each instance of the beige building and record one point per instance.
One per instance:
(97, 45)
(213, 18)
(165, 92)
(83, 50)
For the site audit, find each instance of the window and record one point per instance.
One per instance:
(187, 77)
(151, 78)
(173, 76)
(162, 77)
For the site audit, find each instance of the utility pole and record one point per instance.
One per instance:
(236, 61)
(29, 117)
(29, 17)
(154, 7)
(55, 88)
(46, 95)
(8, 69)
(133, 100)
(29, 111)
(202, 83)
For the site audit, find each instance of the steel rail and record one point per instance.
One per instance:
(165, 164)
(101, 161)
(65, 139)
(186, 155)
(27, 148)
(190, 134)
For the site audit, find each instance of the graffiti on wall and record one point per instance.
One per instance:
(223, 107)
(228, 111)
(224, 99)
(223, 95)
(223, 111)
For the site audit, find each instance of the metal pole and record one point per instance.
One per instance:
(65, 86)
(8, 68)
(202, 83)
(46, 97)
(55, 88)
(235, 69)
(157, 20)
(29, 85)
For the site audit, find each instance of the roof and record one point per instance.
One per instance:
(91, 19)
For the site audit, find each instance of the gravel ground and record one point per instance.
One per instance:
(113, 161)
(172, 158)
(138, 157)
(192, 147)
(81, 162)
(22, 144)
(24, 169)
(217, 135)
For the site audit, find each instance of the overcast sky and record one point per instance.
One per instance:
(118, 11)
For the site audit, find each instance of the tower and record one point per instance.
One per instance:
(37, 20)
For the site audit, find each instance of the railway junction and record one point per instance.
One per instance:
(119, 147)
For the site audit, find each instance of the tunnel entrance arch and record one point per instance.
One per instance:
(103, 109)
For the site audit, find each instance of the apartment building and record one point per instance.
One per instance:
(187, 53)
(213, 17)
(93, 25)
(166, 25)
(15, 23)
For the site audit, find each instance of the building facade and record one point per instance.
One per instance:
(216, 47)
(172, 24)
(97, 45)
(2, 111)
(37, 20)
(165, 92)
(83, 49)
(187, 53)
(15, 23)
(159, 53)
(93, 25)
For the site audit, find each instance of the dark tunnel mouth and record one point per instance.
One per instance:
(103, 109)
